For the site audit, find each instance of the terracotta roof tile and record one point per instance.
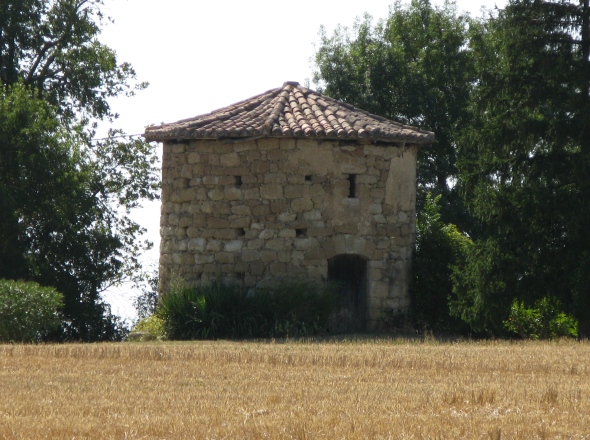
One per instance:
(289, 111)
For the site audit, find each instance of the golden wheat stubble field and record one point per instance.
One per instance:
(361, 389)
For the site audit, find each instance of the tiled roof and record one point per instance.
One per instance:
(289, 111)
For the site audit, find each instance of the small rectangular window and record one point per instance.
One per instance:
(238, 181)
(308, 178)
(351, 186)
(300, 233)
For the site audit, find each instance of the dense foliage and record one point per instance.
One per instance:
(230, 311)
(525, 163)
(64, 195)
(508, 97)
(440, 248)
(28, 311)
(543, 321)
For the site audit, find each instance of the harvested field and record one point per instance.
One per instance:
(338, 390)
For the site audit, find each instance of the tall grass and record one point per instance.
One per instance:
(230, 311)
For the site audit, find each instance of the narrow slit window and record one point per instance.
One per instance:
(351, 186)
(238, 181)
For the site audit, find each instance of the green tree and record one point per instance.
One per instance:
(65, 196)
(525, 165)
(415, 67)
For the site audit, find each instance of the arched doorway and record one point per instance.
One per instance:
(350, 273)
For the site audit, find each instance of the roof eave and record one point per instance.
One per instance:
(426, 140)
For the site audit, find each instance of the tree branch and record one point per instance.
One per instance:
(37, 61)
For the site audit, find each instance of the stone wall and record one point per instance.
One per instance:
(260, 210)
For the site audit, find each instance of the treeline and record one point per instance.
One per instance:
(503, 236)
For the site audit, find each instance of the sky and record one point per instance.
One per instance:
(199, 56)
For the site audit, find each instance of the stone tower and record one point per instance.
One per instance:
(292, 184)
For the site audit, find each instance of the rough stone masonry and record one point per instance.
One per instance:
(291, 184)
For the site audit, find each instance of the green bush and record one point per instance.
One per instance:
(439, 248)
(545, 320)
(149, 328)
(28, 311)
(229, 311)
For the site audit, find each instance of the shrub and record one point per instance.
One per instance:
(545, 320)
(439, 248)
(28, 311)
(199, 312)
(229, 311)
(148, 329)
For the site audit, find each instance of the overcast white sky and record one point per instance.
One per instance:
(199, 56)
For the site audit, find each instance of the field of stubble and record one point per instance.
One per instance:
(338, 390)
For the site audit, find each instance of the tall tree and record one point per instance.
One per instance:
(65, 196)
(526, 163)
(414, 67)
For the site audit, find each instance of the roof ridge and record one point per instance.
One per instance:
(280, 101)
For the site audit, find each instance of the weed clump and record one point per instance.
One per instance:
(231, 311)
(151, 328)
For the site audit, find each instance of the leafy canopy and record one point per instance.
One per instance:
(64, 195)
(53, 47)
(525, 165)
